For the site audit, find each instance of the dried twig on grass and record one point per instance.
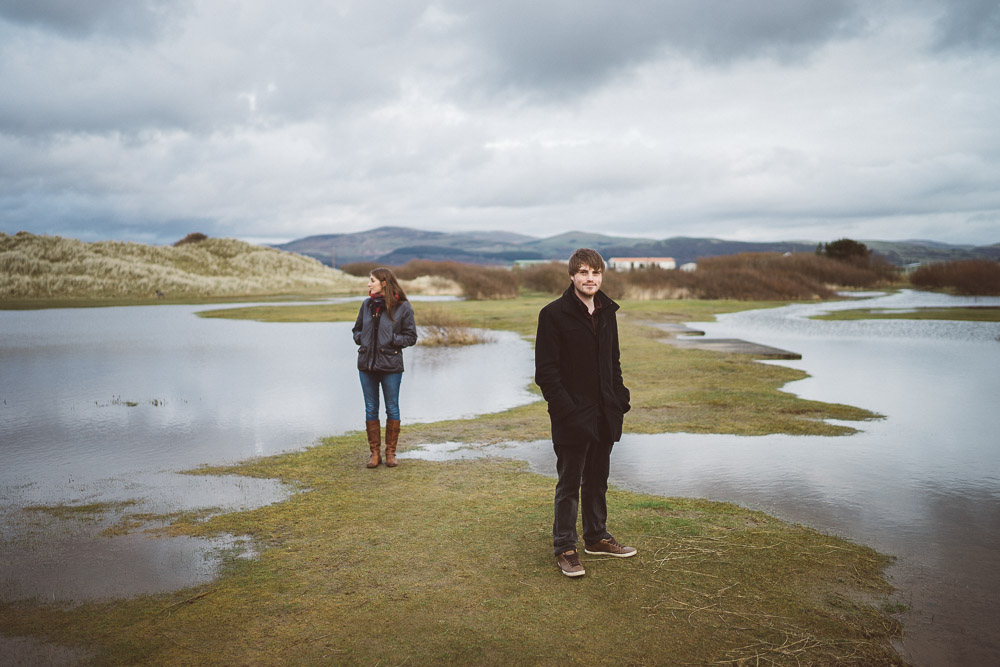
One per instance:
(189, 600)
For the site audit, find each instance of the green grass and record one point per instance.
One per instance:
(966, 314)
(450, 563)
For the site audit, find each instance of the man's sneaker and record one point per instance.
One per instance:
(569, 563)
(610, 547)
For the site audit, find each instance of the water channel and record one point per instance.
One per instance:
(922, 484)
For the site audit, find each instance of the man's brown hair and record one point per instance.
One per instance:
(585, 257)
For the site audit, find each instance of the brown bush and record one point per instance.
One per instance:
(477, 282)
(746, 284)
(971, 277)
(817, 273)
(488, 283)
(549, 278)
(360, 269)
(193, 237)
(745, 276)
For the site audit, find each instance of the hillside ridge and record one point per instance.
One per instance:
(395, 246)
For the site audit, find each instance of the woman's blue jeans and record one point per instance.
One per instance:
(370, 381)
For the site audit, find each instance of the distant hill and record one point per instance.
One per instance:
(685, 250)
(902, 253)
(380, 242)
(401, 256)
(34, 267)
(395, 246)
(563, 245)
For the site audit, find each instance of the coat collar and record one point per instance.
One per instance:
(571, 302)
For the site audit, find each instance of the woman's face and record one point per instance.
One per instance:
(375, 287)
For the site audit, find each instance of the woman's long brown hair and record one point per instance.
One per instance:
(392, 292)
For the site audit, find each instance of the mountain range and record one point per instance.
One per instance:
(394, 246)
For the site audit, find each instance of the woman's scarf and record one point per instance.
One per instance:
(376, 305)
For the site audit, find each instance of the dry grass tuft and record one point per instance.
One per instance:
(441, 328)
(432, 286)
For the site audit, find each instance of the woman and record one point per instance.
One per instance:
(384, 327)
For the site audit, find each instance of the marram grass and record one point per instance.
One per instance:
(52, 267)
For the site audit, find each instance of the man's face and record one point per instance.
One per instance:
(587, 281)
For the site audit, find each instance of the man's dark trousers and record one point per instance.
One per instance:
(583, 480)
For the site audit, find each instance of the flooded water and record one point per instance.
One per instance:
(105, 405)
(922, 484)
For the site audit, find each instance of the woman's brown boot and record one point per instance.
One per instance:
(374, 429)
(391, 438)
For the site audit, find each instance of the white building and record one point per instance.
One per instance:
(632, 263)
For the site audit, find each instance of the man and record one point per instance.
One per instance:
(578, 367)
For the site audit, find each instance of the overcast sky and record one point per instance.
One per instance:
(787, 119)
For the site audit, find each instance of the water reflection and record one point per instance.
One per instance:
(103, 405)
(922, 484)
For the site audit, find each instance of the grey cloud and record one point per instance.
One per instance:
(968, 24)
(210, 72)
(564, 45)
(124, 19)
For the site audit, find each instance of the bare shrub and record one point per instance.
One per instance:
(360, 269)
(778, 276)
(746, 284)
(971, 277)
(477, 282)
(439, 328)
(747, 276)
(549, 278)
(488, 283)
(193, 237)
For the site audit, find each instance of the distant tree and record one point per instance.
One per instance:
(845, 250)
(193, 237)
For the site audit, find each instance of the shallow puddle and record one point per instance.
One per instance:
(102, 406)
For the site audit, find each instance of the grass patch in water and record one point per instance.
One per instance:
(441, 328)
(673, 389)
(85, 512)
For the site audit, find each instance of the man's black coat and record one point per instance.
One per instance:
(578, 367)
